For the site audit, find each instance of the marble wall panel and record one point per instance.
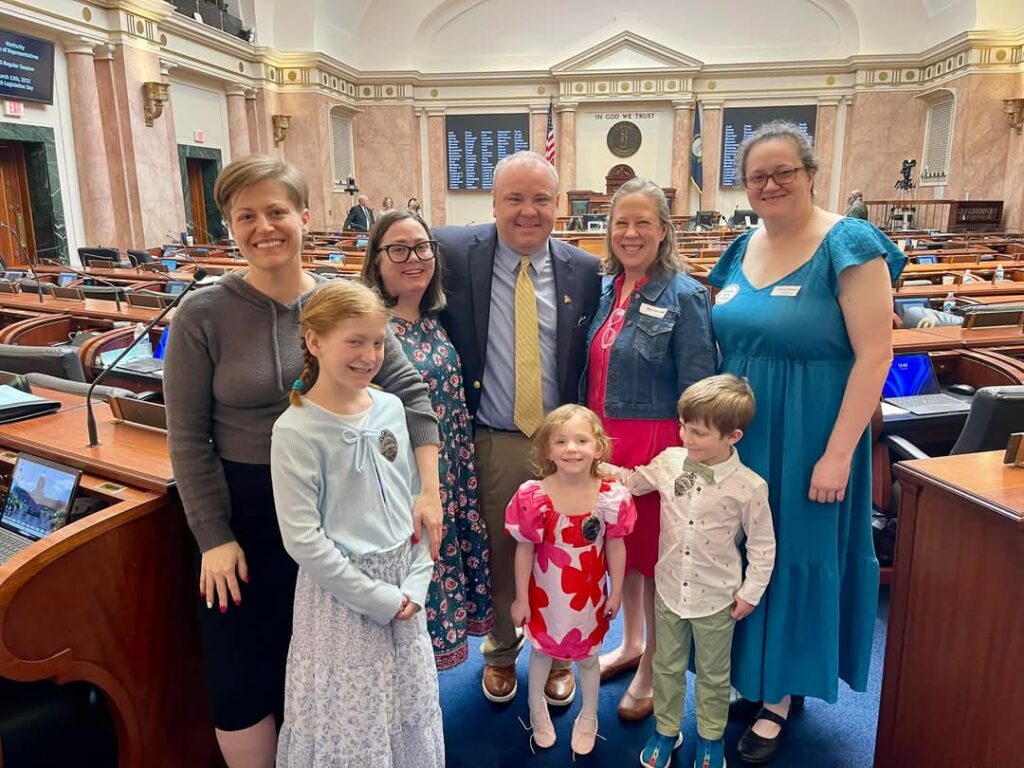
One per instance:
(438, 173)
(711, 144)
(981, 137)
(122, 188)
(882, 130)
(308, 147)
(824, 142)
(386, 143)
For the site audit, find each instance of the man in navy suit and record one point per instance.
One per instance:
(482, 264)
(360, 216)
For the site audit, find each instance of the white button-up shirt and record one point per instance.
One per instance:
(699, 567)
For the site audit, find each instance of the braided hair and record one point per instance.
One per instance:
(333, 302)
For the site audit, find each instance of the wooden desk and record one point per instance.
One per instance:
(87, 308)
(953, 684)
(110, 599)
(980, 288)
(952, 337)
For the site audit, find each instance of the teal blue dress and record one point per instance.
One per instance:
(815, 623)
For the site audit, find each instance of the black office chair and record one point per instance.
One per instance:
(99, 254)
(141, 257)
(62, 362)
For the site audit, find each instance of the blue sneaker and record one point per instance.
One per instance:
(710, 754)
(657, 752)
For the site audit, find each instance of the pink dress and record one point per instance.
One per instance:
(634, 442)
(567, 586)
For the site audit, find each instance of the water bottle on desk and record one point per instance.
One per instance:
(999, 274)
(949, 304)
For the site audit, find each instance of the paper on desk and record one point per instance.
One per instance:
(888, 409)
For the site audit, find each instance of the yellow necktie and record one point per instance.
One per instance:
(529, 400)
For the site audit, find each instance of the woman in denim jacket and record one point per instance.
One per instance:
(649, 340)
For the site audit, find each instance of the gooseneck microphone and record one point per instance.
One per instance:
(94, 440)
(82, 273)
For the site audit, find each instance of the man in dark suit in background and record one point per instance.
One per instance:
(483, 266)
(360, 216)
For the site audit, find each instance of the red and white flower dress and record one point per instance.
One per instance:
(567, 586)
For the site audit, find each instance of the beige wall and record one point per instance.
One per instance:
(882, 130)
(387, 154)
(308, 147)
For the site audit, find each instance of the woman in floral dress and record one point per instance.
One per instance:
(403, 263)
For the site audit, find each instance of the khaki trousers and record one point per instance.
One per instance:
(502, 465)
(713, 637)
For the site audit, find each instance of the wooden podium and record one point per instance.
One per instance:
(953, 684)
(110, 598)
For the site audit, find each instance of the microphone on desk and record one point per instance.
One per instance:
(94, 440)
(82, 273)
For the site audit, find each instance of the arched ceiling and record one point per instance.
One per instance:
(432, 36)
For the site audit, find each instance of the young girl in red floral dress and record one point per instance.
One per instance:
(569, 526)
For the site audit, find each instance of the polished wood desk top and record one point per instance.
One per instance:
(980, 477)
(952, 337)
(1010, 298)
(132, 275)
(979, 288)
(86, 308)
(128, 453)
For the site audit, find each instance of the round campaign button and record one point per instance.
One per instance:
(727, 294)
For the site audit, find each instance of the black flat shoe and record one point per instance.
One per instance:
(743, 709)
(757, 750)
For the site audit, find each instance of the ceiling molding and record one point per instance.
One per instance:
(661, 58)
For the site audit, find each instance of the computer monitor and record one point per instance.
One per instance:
(40, 497)
(174, 287)
(706, 218)
(910, 375)
(336, 258)
(902, 305)
(928, 258)
(161, 346)
(744, 218)
(594, 222)
(171, 264)
(66, 278)
(13, 275)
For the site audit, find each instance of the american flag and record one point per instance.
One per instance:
(549, 144)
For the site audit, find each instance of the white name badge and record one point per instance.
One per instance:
(727, 294)
(785, 290)
(652, 311)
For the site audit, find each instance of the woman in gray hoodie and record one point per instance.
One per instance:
(232, 358)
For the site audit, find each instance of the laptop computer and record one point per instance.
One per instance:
(912, 385)
(38, 502)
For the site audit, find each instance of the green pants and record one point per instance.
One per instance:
(712, 636)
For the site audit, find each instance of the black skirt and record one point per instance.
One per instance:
(246, 648)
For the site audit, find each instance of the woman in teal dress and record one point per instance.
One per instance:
(403, 264)
(804, 313)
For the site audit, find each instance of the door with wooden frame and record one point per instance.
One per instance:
(15, 209)
(196, 197)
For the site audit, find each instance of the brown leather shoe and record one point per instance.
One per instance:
(499, 683)
(633, 709)
(560, 689)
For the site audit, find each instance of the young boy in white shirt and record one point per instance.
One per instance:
(707, 498)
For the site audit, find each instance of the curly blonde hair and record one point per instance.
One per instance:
(542, 464)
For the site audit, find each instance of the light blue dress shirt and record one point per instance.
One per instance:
(497, 399)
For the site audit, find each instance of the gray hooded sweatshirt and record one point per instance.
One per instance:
(231, 359)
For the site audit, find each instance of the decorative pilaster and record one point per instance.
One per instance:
(172, 139)
(682, 137)
(257, 139)
(438, 158)
(826, 187)
(565, 156)
(90, 147)
(238, 121)
(711, 143)
(538, 127)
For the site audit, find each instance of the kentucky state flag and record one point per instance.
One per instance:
(696, 159)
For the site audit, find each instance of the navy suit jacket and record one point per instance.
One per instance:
(468, 254)
(358, 220)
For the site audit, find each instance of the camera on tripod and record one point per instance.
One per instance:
(906, 172)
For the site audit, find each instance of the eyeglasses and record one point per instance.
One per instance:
(611, 330)
(400, 253)
(781, 177)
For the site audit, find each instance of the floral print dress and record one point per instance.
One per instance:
(567, 585)
(459, 601)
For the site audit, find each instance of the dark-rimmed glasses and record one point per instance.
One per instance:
(781, 177)
(399, 253)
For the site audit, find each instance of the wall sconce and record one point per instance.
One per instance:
(1014, 109)
(281, 123)
(155, 95)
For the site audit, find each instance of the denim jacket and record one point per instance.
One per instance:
(665, 345)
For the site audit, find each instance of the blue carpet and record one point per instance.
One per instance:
(479, 734)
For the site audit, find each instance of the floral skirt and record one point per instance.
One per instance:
(358, 694)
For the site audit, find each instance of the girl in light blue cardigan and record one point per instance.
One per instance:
(361, 686)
